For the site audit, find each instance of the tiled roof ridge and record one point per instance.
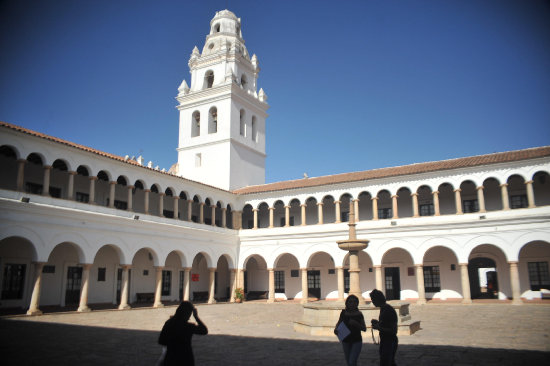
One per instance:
(414, 168)
(94, 151)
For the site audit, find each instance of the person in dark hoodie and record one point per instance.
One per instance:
(354, 321)
(387, 327)
(176, 335)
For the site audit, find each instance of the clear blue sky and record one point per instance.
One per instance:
(352, 85)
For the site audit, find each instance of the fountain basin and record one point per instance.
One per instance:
(320, 318)
(353, 244)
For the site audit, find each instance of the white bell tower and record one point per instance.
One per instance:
(222, 115)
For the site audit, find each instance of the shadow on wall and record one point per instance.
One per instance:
(33, 343)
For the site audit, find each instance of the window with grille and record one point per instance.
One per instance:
(518, 201)
(432, 281)
(538, 275)
(385, 213)
(82, 197)
(426, 210)
(280, 281)
(14, 281)
(469, 206)
(166, 282)
(101, 274)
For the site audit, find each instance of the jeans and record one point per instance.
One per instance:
(351, 352)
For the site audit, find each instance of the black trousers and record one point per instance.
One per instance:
(388, 347)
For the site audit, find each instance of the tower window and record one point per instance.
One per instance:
(242, 125)
(243, 81)
(217, 28)
(213, 120)
(254, 129)
(196, 124)
(209, 79)
(198, 160)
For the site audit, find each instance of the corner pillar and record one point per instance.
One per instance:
(35, 298)
(83, 306)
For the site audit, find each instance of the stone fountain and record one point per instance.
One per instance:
(319, 318)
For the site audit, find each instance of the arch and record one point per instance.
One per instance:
(9, 151)
(256, 257)
(517, 191)
(114, 247)
(7, 231)
(61, 165)
(492, 194)
(151, 254)
(103, 175)
(208, 79)
(169, 191)
(36, 158)
(78, 241)
(541, 188)
(533, 263)
(365, 206)
(19, 243)
(196, 124)
(431, 243)
(229, 259)
(213, 120)
(155, 188)
(521, 241)
(181, 255)
(478, 241)
(82, 170)
(122, 180)
(263, 215)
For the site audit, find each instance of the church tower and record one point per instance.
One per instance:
(222, 115)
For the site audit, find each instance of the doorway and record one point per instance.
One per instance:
(393, 284)
(483, 278)
(74, 281)
(314, 284)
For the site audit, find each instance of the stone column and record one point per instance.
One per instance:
(337, 212)
(20, 174)
(213, 210)
(303, 214)
(161, 204)
(158, 288)
(186, 283)
(70, 186)
(437, 212)
(232, 284)
(481, 199)
(354, 270)
(112, 185)
(130, 198)
(201, 213)
(255, 212)
(465, 280)
(504, 195)
(176, 207)
(46, 185)
(340, 273)
(320, 212)
(374, 208)
(420, 284)
(271, 209)
(211, 285)
(287, 216)
(35, 298)
(189, 210)
(92, 190)
(514, 281)
(146, 200)
(378, 278)
(356, 208)
(83, 306)
(458, 201)
(240, 278)
(271, 297)
(125, 288)
(395, 209)
(415, 204)
(304, 286)
(530, 194)
(224, 217)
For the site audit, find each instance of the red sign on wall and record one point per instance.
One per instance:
(195, 277)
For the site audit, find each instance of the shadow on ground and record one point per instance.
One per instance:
(34, 343)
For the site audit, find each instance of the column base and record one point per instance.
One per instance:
(304, 301)
(466, 301)
(270, 301)
(34, 312)
(158, 305)
(421, 301)
(517, 302)
(124, 307)
(83, 309)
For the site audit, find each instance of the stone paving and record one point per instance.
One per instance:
(255, 333)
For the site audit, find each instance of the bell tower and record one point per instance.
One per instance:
(222, 115)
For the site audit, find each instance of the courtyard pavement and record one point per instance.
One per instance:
(256, 333)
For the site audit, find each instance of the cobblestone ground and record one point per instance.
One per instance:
(262, 334)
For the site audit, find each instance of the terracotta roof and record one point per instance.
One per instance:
(495, 158)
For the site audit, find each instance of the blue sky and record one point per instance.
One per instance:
(352, 85)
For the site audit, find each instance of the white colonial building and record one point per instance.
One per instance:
(81, 227)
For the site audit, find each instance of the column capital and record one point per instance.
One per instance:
(303, 205)
(414, 194)
(320, 203)
(212, 269)
(189, 201)
(462, 264)
(71, 172)
(112, 182)
(224, 209)
(147, 190)
(130, 187)
(202, 204)
(86, 265)
(159, 268)
(395, 195)
(457, 190)
(338, 267)
(271, 208)
(49, 167)
(271, 269)
(286, 206)
(503, 185)
(480, 188)
(355, 200)
(234, 270)
(162, 194)
(255, 210)
(213, 206)
(339, 202)
(126, 266)
(374, 198)
(418, 265)
(93, 178)
(529, 182)
(435, 192)
(176, 197)
(21, 160)
(377, 266)
(513, 263)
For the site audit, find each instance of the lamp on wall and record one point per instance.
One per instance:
(25, 199)
(136, 217)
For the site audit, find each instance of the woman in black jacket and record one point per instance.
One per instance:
(177, 333)
(354, 321)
